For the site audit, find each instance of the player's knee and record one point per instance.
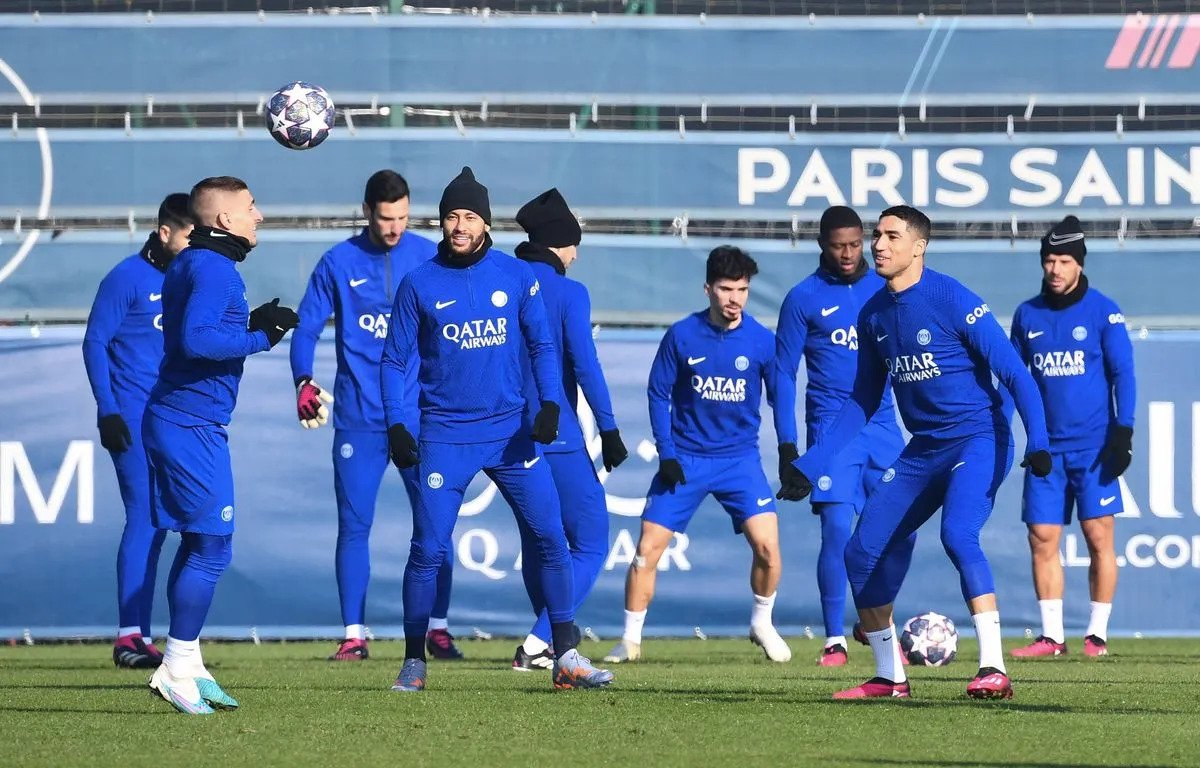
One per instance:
(209, 554)
(1043, 541)
(766, 553)
(857, 560)
(425, 558)
(962, 546)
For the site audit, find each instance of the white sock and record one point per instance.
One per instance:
(438, 624)
(1052, 619)
(534, 645)
(126, 631)
(633, 626)
(835, 640)
(1098, 623)
(987, 630)
(356, 632)
(182, 657)
(886, 648)
(760, 614)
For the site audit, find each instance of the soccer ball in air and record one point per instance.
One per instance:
(300, 115)
(929, 639)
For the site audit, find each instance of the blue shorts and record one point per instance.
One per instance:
(191, 476)
(737, 482)
(857, 469)
(1076, 480)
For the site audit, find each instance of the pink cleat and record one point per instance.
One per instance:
(351, 649)
(1094, 646)
(1043, 646)
(834, 656)
(990, 683)
(876, 688)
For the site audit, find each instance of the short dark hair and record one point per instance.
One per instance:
(384, 187)
(839, 217)
(213, 184)
(175, 211)
(917, 222)
(727, 262)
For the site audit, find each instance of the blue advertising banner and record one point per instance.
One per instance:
(61, 517)
(623, 174)
(615, 59)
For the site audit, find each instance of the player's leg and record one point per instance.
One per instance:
(980, 468)
(1099, 501)
(667, 512)
(837, 520)
(439, 643)
(359, 460)
(444, 472)
(137, 557)
(585, 522)
(741, 487)
(1045, 508)
(525, 480)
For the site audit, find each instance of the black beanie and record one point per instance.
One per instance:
(548, 221)
(464, 193)
(1065, 237)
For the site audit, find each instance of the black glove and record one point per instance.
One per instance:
(1039, 463)
(793, 484)
(273, 320)
(545, 423)
(1118, 451)
(114, 433)
(402, 447)
(612, 449)
(671, 472)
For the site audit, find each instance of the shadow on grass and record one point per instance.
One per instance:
(36, 710)
(957, 763)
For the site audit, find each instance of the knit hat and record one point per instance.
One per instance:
(1065, 237)
(548, 221)
(464, 193)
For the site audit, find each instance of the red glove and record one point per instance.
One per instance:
(310, 404)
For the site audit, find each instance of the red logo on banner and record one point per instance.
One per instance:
(1148, 43)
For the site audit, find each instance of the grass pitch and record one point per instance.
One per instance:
(690, 703)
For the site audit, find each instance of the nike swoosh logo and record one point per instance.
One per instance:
(444, 304)
(216, 234)
(887, 639)
(694, 360)
(880, 338)
(356, 283)
(764, 502)
(1107, 500)
(956, 466)
(1034, 334)
(155, 296)
(1054, 239)
(827, 311)
(532, 461)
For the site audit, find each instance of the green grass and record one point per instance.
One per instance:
(694, 703)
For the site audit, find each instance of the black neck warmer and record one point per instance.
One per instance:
(154, 252)
(225, 243)
(535, 252)
(1058, 301)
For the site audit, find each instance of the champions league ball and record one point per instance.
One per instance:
(929, 640)
(300, 115)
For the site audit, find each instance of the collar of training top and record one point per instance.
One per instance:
(462, 262)
(832, 274)
(533, 252)
(1072, 297)
(154, 253)
(225, 243)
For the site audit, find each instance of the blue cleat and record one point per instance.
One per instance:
(572, 670)
(180, 692)
(213, 694)
(412, 676)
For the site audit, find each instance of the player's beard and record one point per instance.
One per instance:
(472, 247)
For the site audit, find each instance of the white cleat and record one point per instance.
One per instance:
(180, 692)
(772, 644)
(624, 651)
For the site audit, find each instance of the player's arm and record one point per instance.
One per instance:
(659, 389)
(1118, 363)
(113, 300)
(982, 334)
(791, 335)
(1016, 335)
(580, 353)
(315, 309)
(205, 332)
(399, 352)
(535, 330)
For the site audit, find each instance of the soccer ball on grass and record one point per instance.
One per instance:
(929, 640)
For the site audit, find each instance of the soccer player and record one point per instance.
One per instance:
(355, 281)
(463, 319)
(554, 236)
(705, 386)
(1074, 341)
(940, 345)
(208, 331)
(122, 349)
(817, 322)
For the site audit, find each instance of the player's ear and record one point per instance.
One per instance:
(164, 233)
(366, 212)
